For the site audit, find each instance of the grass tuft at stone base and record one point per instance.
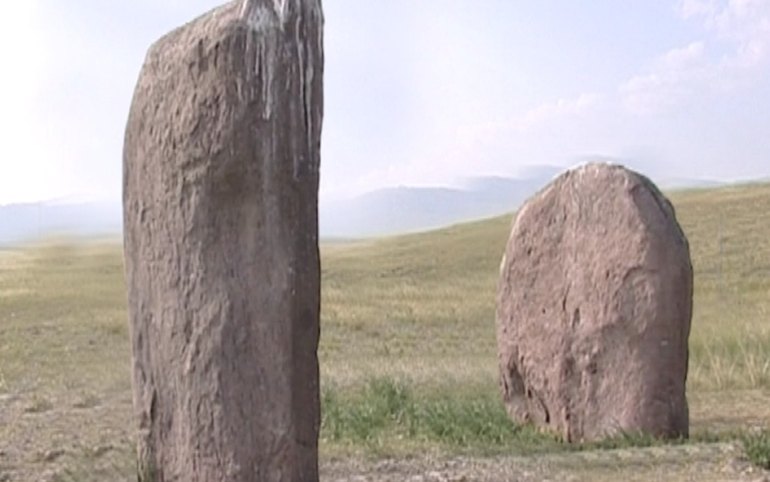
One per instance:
(757, 448)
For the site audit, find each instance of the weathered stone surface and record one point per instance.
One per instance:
(594, 307)
(221, 163)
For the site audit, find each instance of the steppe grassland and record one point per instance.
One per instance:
(422, 306)
(419, 310)
(408, 342)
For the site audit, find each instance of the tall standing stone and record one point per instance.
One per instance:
(594, 308)
(221, 163)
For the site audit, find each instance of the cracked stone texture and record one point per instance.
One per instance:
(593, 309)
(221, 164)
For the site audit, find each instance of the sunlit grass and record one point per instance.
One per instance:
(408, 352)
(424, 303)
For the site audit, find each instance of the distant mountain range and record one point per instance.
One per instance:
(26, 222)
(377, 213)
(406, 209)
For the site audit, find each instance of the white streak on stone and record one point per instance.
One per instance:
(258, 17)
(262, 16)
(258, 14)
(279, 6)
(306, 89)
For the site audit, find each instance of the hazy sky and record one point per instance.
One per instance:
(419, 92)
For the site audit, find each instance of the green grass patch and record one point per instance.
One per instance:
(757, 448)
(384, 413)
(388, 417)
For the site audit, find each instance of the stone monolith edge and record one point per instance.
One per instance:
(221, 162)
(593, 309)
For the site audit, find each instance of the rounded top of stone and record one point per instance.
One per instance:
(599, 175)
(599, 197)
(601, 170)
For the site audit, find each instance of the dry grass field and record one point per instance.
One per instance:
(407, 358)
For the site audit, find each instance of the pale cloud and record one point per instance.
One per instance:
(747, 23)
(697, 8)
(539, 117)
(553, 111)
(675, 78)
(417, 92)
(744, 23)
(484, 148)
(736, 54)
(686, 57)
(648, 118)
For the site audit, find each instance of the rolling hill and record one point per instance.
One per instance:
(26, 222)
(378, 213)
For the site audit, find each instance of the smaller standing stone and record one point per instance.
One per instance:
(593, 309)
